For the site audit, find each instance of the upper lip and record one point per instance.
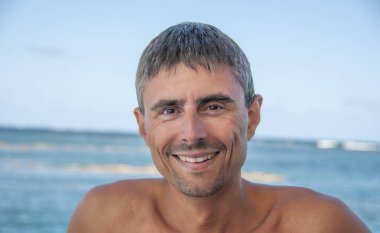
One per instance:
(194, 154)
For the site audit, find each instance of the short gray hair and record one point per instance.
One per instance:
(193, 44)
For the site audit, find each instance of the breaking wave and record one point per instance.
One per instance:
(348, 145)
(70, 147)
(148, 170)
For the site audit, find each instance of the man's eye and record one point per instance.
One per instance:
(168, 111)
(214, 107)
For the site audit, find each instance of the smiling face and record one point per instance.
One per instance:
(197, 127)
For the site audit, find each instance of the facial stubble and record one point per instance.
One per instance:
(199, 191)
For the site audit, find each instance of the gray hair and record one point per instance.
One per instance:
(193, 44)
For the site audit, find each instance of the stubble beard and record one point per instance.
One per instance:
(199, 191)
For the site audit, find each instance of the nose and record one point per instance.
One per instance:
(193, 128)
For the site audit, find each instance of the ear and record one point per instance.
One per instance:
(140, 121)
(254, 116)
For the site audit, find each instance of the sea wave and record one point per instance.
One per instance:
(348, 145)
(361, 146)
(68, 147)
(327, 144)
(151, 169)
(148, 170)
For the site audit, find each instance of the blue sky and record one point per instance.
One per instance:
(71, 64)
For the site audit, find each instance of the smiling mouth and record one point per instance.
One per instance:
(199, 159)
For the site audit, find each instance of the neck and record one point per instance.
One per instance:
(215, 213)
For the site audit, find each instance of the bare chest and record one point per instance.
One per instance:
(149, 222)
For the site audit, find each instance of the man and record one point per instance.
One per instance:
(197, 110)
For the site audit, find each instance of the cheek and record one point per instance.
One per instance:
(151, 132)
(230, 129)
(234, 134)
(237, 125)
(157, 135)
(240, 123)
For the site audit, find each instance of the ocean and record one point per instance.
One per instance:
(45, 173)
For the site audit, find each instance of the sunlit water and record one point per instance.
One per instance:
(44, 174)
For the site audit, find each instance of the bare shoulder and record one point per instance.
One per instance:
(103, 206)
(304, 210)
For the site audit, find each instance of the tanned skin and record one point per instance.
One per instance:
(197, 127)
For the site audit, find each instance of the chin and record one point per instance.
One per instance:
(204, 190)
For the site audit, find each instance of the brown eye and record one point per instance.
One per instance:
(168, 111)
(214, 107)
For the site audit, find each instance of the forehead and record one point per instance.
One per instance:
(182, 82)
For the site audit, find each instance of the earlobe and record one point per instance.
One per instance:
(140, 121)
(254, 116)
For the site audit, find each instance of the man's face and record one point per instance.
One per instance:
(197, 126)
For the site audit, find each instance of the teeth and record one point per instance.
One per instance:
(195, 160)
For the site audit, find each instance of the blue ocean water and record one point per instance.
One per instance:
(44, 174)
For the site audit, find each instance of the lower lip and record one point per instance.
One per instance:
(196, 167)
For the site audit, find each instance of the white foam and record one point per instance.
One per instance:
(327, 144)
(148, 170)
(263, 177)
(360, 146)
(152, 170)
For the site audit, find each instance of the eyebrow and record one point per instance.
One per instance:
(202, 101)
(166, 103)
(214, 98)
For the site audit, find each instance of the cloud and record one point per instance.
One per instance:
(48, 51)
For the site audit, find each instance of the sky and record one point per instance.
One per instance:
(72, 64)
